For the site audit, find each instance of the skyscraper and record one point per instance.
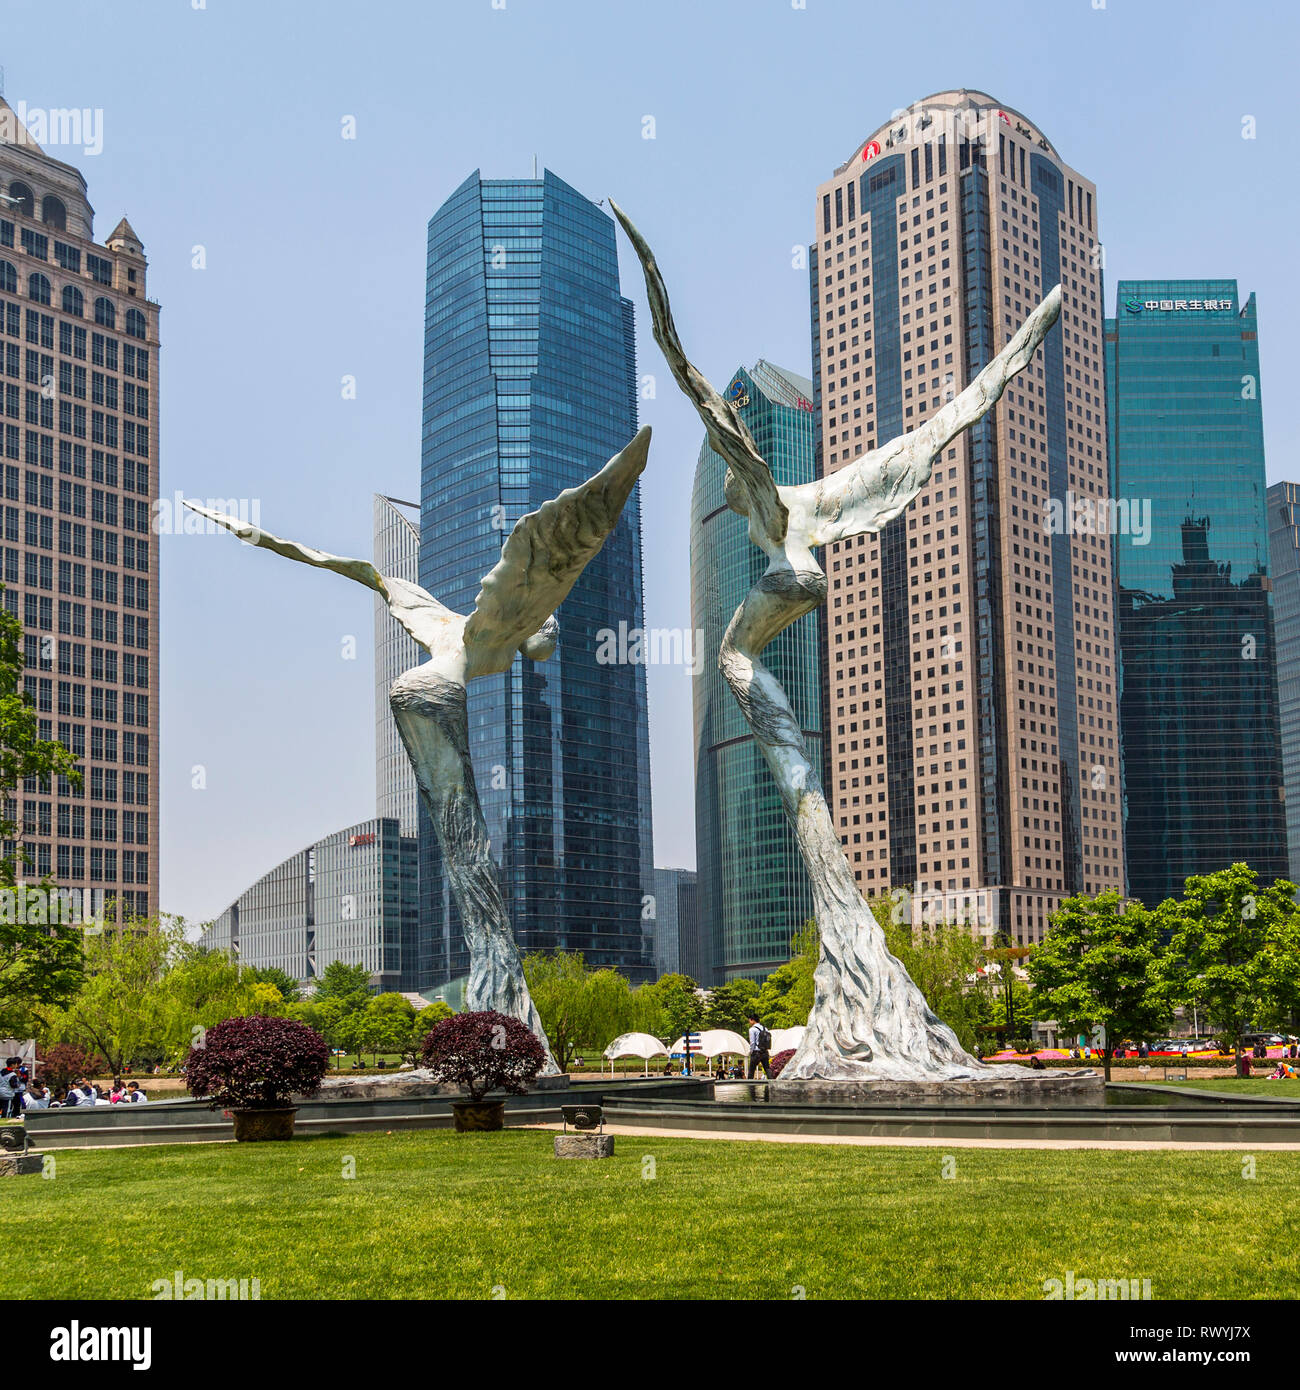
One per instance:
(530, 387)
(753, 889)
(676, 920)
(971, 678)
(1199, 710)
(1284, 556)
(397, 553)
(79, 439)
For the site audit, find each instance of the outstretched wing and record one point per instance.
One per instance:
(417, 611)
(544, 555)
(877, 486)
(726, 431)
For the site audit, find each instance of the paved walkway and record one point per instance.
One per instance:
(909, 1142)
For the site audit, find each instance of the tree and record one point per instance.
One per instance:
(578, 1007)
(944, 960)
(679, 1003)
(420, 1027)
(1095, 968)
(1011, 1001)
(340, 981)
(730, 1005)
(117, 1010)
(200, 988)
(40, 962)
(289, 988)
(1234, 951)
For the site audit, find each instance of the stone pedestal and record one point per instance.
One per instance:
(418, 1085)
(573, 1145)
(15, 1165)
(1037, 1089)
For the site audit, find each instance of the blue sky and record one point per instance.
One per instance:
(222, 129)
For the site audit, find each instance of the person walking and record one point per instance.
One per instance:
(760, 1044)
(11, 1089)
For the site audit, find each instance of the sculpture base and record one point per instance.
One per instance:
(19, 1165)
(1036, 1089)
(415, 1084)
(584, 1146)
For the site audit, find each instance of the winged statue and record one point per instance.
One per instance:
(541, 560)
(869, 1021)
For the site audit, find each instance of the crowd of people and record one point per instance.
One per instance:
(18, 1092)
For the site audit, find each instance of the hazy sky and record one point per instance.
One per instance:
(222, 129)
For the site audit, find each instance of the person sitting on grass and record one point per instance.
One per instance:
(1284, 1072)
(134, 1094)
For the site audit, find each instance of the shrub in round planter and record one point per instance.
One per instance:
(779, 1061)
(482, 1052)
(253, 1067)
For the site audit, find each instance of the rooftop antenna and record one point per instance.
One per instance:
(534, 157)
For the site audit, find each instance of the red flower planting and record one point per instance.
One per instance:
(779, 1061)
(485, 1051)
(256, 1063)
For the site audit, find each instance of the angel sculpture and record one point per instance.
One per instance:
(869, 1021)
(540, 562)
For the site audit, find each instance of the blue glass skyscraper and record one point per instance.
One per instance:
(753, 889)
(529, 388)
(1199, 705)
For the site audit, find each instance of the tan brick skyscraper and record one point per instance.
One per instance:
(971, 671)
(79, 452)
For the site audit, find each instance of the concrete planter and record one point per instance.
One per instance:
(471, 1115)
(252, 1126)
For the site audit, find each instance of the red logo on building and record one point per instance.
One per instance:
(870, 150)
(361, 839)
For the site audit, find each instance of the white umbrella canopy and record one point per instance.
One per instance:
(716, 1042)
(783, 1038)
(635, 1045)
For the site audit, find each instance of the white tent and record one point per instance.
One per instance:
(716, 1042)
(783, 1038)
(635, 1045)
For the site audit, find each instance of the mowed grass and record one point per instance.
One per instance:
(434, 1214)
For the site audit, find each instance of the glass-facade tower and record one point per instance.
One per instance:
(1199, 707)
(753, 889)
(1284, 555)
(529, 388)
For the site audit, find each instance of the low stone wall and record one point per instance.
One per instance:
(1037, 1088)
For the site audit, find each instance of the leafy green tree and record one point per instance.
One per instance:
(118, 1010)
(729, 1005)
(1012, 1000)
(422, 1022)
(1096, 967)
(339, 981)
(1234, 951)
(200, 988)
(578, 1007)
(944, 960)
(40, 962)
(679, 1003)
(289, 988)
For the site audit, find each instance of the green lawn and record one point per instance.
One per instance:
(1283, 1090)
(442, 1215)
